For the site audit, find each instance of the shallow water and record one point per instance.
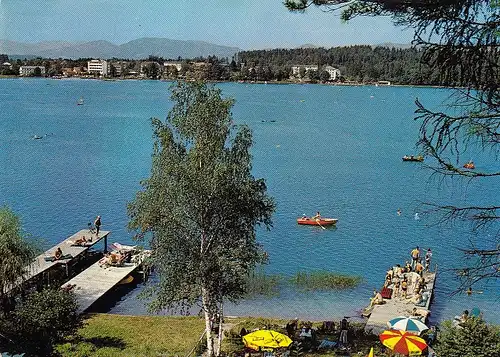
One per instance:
(333, 149)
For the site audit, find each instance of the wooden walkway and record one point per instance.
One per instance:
(381, 314)
(40, 265)
(95, 281)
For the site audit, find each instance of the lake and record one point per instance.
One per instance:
(333, 149)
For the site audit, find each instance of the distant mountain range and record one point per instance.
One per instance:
(136, 49)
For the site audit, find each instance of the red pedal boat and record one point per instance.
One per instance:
(317, 222)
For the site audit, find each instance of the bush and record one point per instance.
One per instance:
(474, 338)
(43, 319)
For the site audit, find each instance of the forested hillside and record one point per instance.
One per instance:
(356, 63)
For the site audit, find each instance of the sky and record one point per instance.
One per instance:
(247, 24)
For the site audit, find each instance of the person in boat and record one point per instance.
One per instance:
(58, 253)
(317, 216)
(399, 212)
(304, 216)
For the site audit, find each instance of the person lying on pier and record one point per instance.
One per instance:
(113, 259)
(68, 287)
(81, 241)
(421, 314)
(415, 300)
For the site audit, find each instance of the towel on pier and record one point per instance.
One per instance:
(386, 293)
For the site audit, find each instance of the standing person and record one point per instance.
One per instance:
(97, 224)
(344, 327)
(428, 256)
(415, 254)
(404, 287)
(419, 268)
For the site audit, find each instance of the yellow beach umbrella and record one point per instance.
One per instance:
(371, 353)
(403, 342)
(266, 339)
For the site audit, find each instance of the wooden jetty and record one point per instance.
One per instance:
(397, 306)
(95, 281)
(41, 267)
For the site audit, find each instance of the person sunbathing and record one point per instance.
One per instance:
(377, 299)
(416, 299)
(58, 253)
(82, 240)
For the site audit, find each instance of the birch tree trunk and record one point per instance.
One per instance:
(208, 322)
(221, 319)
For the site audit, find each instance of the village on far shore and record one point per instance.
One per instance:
(210, 68)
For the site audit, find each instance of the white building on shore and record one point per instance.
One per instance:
(30, 70)
(333, 72)
(307, 67)
(98, 66)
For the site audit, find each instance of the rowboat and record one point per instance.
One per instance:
(317, 222)
(418, 158)
(469, 165)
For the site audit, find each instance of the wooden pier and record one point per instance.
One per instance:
(40, 266)
(397, 306)
(95, 281)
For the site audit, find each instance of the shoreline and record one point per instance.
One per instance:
(340, 84)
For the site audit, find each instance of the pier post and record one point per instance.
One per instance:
(105, 244)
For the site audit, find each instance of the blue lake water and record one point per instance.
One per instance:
(333, 149)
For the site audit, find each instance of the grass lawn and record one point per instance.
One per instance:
(107, 335)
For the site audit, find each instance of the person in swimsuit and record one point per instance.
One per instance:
(404, 288)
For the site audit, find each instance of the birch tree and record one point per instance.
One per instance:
(201, 206)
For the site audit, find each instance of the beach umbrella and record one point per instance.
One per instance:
(409, 324)
(266, 339)
(371, 353)
(403, 342)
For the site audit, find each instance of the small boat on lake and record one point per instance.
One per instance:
(418, 158)
(317, 222)
(80, 101)
(469, 165)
